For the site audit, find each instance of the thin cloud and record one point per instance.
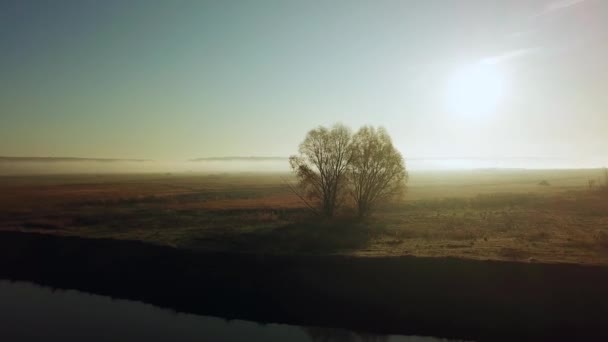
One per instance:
(557, 6)
(509, 55)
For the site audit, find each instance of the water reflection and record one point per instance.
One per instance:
(338, 335)
(29, 312)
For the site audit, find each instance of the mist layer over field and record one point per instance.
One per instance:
(25, 166)
(118, 166)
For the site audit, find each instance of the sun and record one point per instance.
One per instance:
(475, 90)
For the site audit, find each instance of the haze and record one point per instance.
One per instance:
(171, 81)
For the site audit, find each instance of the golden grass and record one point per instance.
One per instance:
(478, 214)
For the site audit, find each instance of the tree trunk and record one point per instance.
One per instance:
(362, 206)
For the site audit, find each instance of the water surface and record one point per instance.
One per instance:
(29, 312)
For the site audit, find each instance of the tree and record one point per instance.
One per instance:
(321, 165)
(376, 171)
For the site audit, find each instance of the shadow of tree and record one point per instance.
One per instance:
(309, 236)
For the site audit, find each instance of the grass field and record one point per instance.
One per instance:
(491, 214)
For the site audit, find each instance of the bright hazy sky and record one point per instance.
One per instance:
(173, 80)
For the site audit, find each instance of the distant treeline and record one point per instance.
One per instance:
(66, 159)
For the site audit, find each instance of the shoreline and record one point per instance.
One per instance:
(442, 297)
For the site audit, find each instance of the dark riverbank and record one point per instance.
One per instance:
(450, 298)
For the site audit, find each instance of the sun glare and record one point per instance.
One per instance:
(475, 90)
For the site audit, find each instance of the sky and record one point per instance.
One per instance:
(175, 80)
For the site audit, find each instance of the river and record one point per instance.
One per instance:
(29, 312)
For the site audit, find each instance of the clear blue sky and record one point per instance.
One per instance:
(172, 80)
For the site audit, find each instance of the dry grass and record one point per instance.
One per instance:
(483, 215)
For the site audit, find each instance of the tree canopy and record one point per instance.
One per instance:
(376, 170)
(333, 164)
(321, 164)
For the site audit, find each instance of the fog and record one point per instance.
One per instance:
(96, 167)
(29, 167)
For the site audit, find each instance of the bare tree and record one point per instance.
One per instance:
(321, 165)
(376, 171)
